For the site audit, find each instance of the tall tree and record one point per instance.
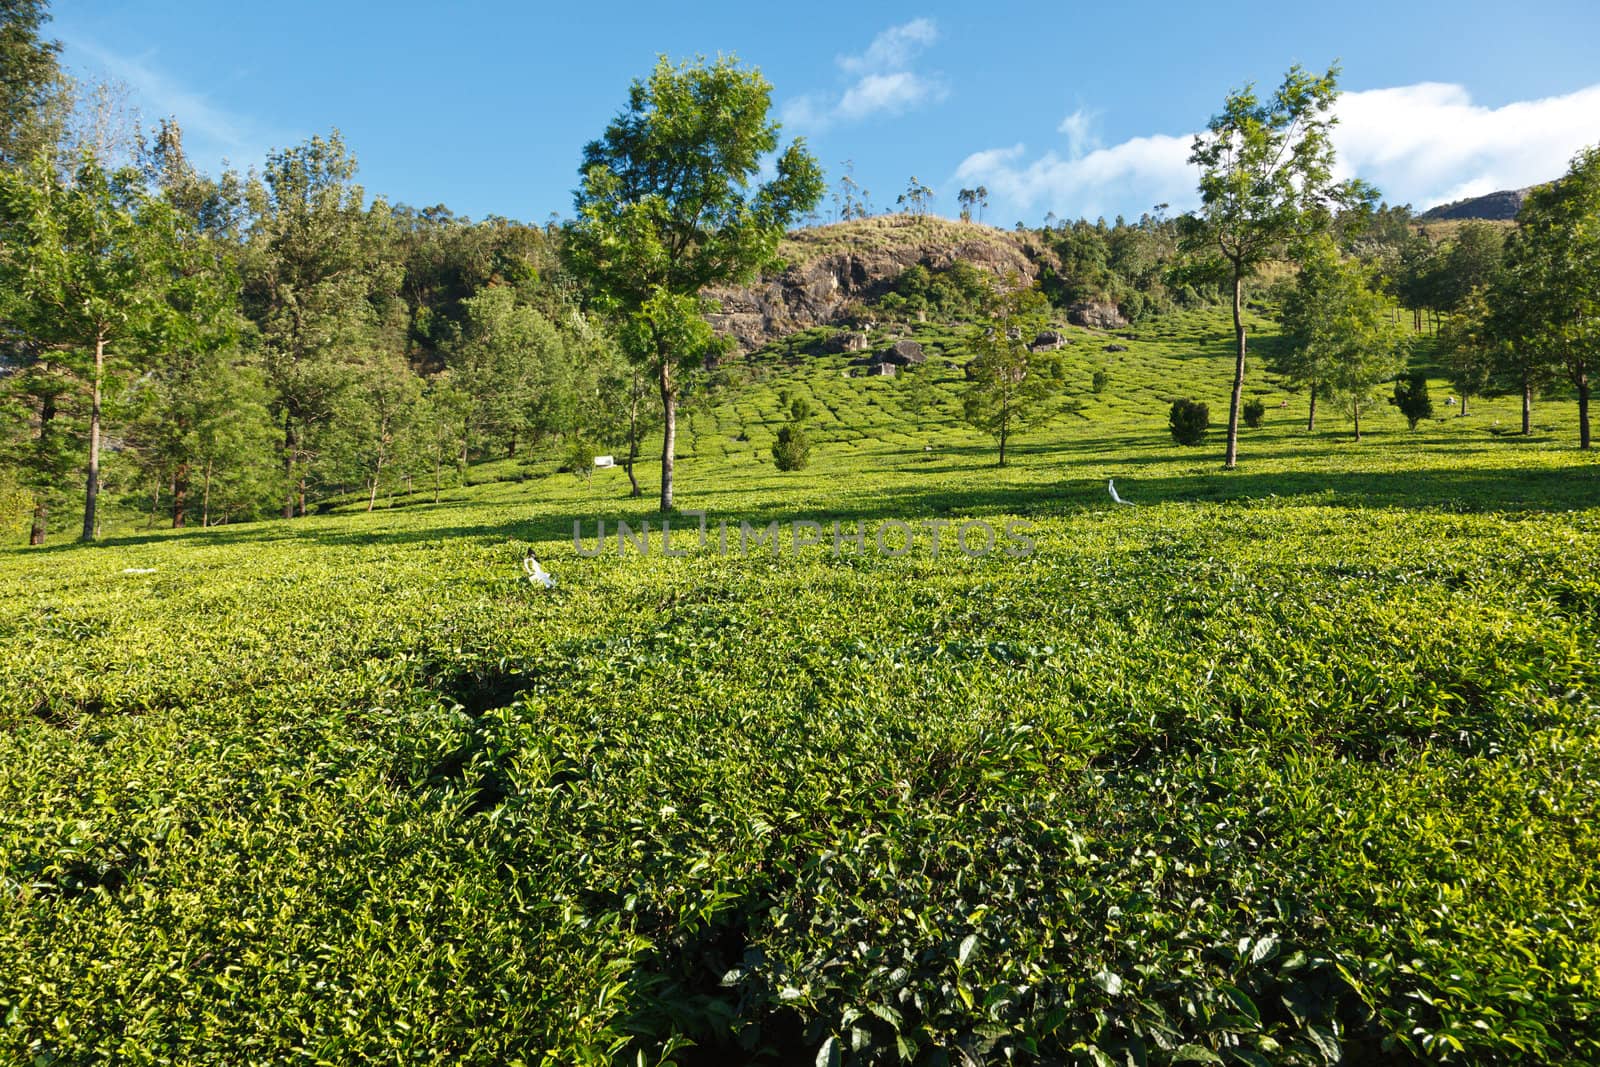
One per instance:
(87, 263)
(1266, 184)
(1552, 308)
(665, 209)
(318, 281)
(29, 78)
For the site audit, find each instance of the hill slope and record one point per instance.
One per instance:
(1299, 761)
(826, 268)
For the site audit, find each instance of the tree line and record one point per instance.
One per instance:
(224, 348)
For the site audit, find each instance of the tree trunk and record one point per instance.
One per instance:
(180, 494)
(41, 510)
(91, 496)
(289, 444)
(1355, 410)
(669, 436)
(633, 442)
(1583, 410)
(205, 499)
(1311, 419)
(1463, 405)
(1527, 407)
(1232, 458)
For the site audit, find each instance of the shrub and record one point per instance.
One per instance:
(1189, 420)
(1099, 382)
(792, 450)
(1254, 412)
(1411, 397)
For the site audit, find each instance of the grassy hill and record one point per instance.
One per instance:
(1279, 765)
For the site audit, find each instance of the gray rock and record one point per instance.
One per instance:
(1048, 341)
(902, 354)
(1096, 315)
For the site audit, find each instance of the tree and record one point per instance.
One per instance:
(1311, 315)
(792, 449)
(317, 282)
(86, 263)
(981, 198)
(967, 198)
(1470, 264)
(1469, 349)
(1007, 381)
(665, 209)
(29, 78)
(1266, 184)
(1411, 397)
(916, 198)
(1553, 274)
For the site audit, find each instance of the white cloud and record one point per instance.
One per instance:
(211, 133)
(1422, 144)
(884, 83)
(893, 49)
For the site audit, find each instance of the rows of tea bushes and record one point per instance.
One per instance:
(1194, 783)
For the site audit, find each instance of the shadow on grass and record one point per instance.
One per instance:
(1488, 490)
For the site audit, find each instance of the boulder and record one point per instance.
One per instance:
(1097, 315)
(902, 354)
(1116, 348)
(1048, 341)
(847, 342)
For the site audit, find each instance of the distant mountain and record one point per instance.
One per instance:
(1499, 207)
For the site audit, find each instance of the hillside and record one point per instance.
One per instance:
(1500, 206)
(827, 268)
(1297, 761)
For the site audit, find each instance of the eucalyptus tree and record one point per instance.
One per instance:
(666, 208)
(86, 265)
(1266, 185)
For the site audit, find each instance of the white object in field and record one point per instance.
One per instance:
(1112, 485)
(537, 574)
(138, 570)
(605, 461)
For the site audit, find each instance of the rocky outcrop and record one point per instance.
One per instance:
(1496, 207)
(848, 342)
(1096, 315)
(902, 354)
(832, 268)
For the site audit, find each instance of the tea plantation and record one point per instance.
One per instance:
(1296, 764)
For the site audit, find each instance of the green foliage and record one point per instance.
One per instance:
(791, 451)
(1010, 385)
(1412, 398)
(1266, 187)
(1100, 382)
(1342, 337)
(1189, 420)
(664, 211)
(1548, 306)
(29, 77)
(1254, 412)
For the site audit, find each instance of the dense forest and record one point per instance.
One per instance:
(209, 349)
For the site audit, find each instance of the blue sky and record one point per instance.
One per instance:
(1071, 108)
